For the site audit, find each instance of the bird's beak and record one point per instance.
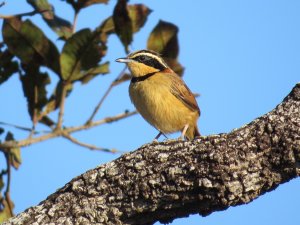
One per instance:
(123, 60)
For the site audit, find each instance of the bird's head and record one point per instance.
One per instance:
(143, 62)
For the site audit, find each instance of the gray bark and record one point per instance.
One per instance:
(172, 179)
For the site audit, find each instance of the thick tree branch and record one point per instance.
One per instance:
(172, 179)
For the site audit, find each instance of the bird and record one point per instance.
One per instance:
(161, 96)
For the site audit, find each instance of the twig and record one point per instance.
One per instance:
(7, 191)
(23, 128)
(32, 131)
(61, 106)
(113, 84)
(102, 121)
(99, 104)
(89, 146)
(35, 112)
(74, 22)
(32, 13)
(60, 132)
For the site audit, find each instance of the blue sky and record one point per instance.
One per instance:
(241, 56)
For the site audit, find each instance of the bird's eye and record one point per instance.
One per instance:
(142, 58)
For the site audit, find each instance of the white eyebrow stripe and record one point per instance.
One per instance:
(159, 59)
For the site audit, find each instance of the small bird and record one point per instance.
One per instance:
(161, 96)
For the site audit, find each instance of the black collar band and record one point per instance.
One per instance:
(142, 78)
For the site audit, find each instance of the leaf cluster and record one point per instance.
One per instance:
(27, 52)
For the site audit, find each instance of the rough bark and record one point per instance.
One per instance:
(172, 179)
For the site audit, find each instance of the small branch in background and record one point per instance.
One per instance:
(74, 22)
(24, 128)
(89, 146)
(32, 131)
(122, 79)
(113, 84)
(7, 191)
(61, 107)
(99, 104)
(35, 112)
(68, 130)
(32, 13)
(102, 121)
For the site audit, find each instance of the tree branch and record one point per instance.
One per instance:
(75, 22)
(61, 132)
(172, 179)
(89, 146)
(61, 107)
(7, 191)
(23, 128)
(117, 81)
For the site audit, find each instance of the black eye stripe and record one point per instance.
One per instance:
(141, 58)
(150, 61)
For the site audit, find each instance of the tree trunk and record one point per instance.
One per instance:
(172, 179)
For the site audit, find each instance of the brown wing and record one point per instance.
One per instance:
(183, 93)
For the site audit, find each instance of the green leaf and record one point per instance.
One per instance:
(79, 54)
(47, 121)
(5, 212)
(106, 28)
(16, 159)
(34, 87)
(93, 72)
(29, 43)
(9, 136)
(163, 39)
(85, 3)
(14, 153)
(1, 130)
(123, 24)
(80, 4)
(7, 65)
(138, 14)
(60, 26)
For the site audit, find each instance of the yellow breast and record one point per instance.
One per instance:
(155, 102)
